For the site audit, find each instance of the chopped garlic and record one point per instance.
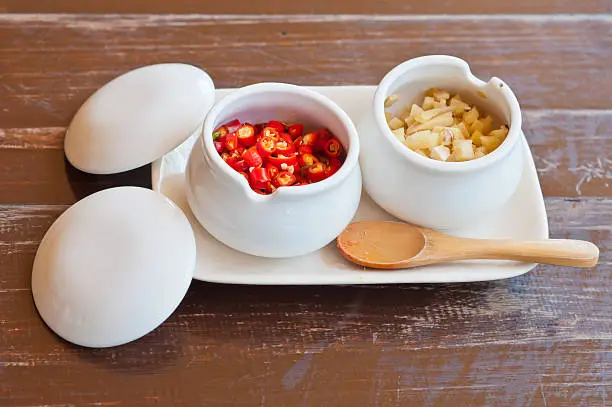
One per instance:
(396, 123)
(440, 153)
(480, 152)
(426, 139)
(428, 103)
(283, 166)
(427, 115)
(445, 128)
(388, 117)
(476, 138)
(445, 119)
(471, 116)
(462, 150)
(400, 134)
(440, 94)
(390, 100)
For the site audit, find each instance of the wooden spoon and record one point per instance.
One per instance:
(395, 245)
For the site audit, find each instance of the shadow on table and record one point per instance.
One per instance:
(83, 184)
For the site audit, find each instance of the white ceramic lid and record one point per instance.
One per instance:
(113, 267)
(138, 117)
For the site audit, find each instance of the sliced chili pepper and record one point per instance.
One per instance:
(258, 128)
(219, 146)
(284, 179)
(306, 160)
(277, 160)
(324, 136)
(295, 130)
(231, 141)
(272, 170)
(237, 164)
(309, 139)
(316, 172)
(333, 167)
(225, 156)
(280, 127)
(285, 148)
(220, 132)
(286, 137)
(270, 132)
(260, 178)
(304, 150)
(246, 135)
(266, 146)
(232, 126)
(333, 148)
(322, 159)
(252, 158)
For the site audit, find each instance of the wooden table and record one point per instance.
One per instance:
(536, 340)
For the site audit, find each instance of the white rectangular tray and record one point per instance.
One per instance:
(524, 217)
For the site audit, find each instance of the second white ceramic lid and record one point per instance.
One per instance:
(138, 117)
(113, 267)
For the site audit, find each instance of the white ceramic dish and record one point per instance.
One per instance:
(523, 217)
(291, 221)
(435, 194)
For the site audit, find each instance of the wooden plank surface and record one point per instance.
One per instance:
(541, 339)
(51, 63)
(309, 7)
(543, 335)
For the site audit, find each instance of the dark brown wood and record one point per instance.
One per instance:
(51, 63)
(541, 339)
(309, 7)
(536, 340)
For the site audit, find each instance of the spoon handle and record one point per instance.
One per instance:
(560, 252)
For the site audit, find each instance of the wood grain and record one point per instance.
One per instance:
(570, 148)
(541, 339)
(310, 7)
(51, 63)
(543, 335)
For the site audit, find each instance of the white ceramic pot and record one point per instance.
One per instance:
(440, 195)
(293, 220)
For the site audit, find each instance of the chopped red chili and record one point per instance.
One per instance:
(232, 126)
(231, 142)
(274, 154)
(237, 164)
(246, 135)
(272, 170)
(284, 147)
(266, 146)
(295, 130)
(316, 172)
(277, 125)
(219, 146)
(252, 158)
(333, 148)
(284, 179)
(280, 159)
(309, 139)
(270, 132)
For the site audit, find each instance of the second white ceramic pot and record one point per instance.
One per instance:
(291, 221)
(435, 194)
